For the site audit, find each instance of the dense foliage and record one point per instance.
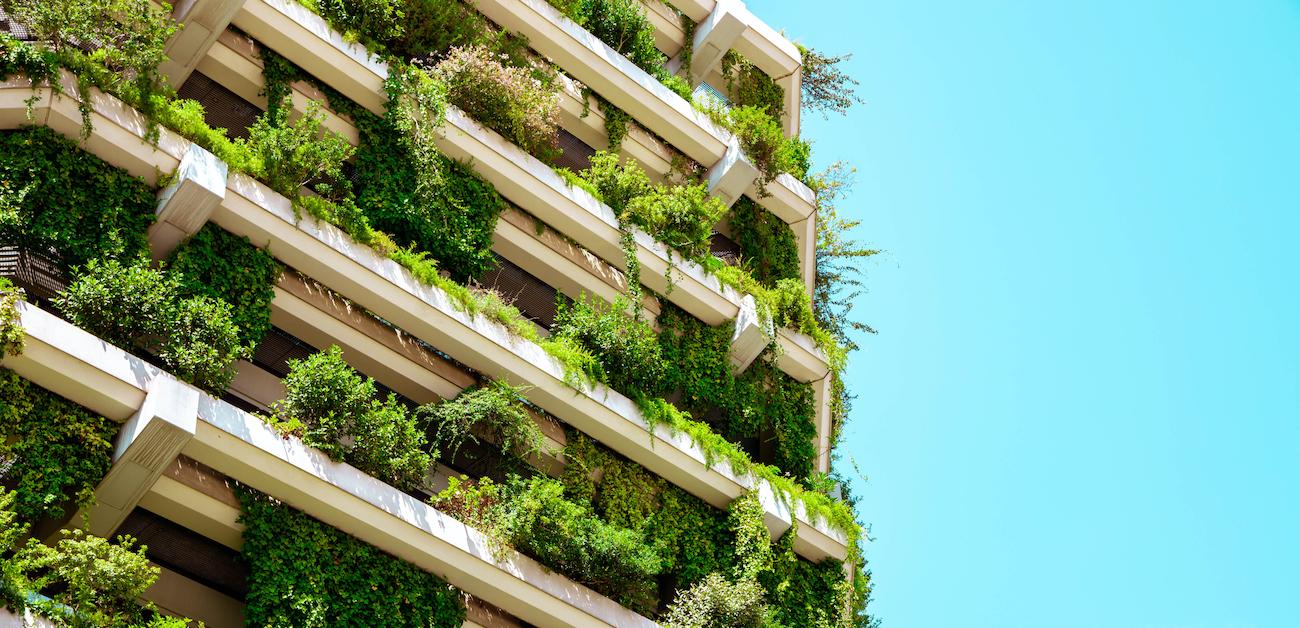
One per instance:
(221, 265)
(135, 306)
(504, 98)
(767, 245)
(58, 450)
(12, 335)
(333, 408)
(492, 412)
(532, 516)
(748, 86)
(56, 197)
(304, 573)
(92, 583)
(764, 142)
(627, 355)
(623, 26)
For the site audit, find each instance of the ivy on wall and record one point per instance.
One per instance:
(304, 573)
(767, 244)
(59, 450)
(221, 265)
(12, 335)
(749, 86)
(55, 196)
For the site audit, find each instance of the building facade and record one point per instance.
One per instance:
(417, 312)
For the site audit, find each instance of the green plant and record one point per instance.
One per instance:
(127, 37)
(289, 155)
(767, 244)
(826, 88)
(492, 411)
(58, 450)
(749, 86)
(765, 143)
(718, 602)
(12, 335)
(221, 265)
(533, 517)
(680, 216)
(94, 583)
(133, 305)
(333, 408)
(506, 99)
(48, 206)
(626, 351)
(623, 26)
(372, 22)
(307, 574)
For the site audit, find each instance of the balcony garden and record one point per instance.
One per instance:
(208, 305)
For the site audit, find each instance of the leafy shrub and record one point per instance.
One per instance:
(307, 574)
(12, 335)
(137, 306)
(333, 408)
(504, 98)
(534, 517)
(92, 582)
(749, 86)
(765, 143)
(617, 183)
(626, 350)
(289, 156)
(493, 411)
(681, 216)
(767, 244)
(58, 450)
(48, 205)
(127, 36)
(371, 21)
(623, 26)
(718, 602)
(221, 265)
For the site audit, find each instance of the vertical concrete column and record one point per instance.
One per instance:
(805, 237)
(822, 409)
(202, 22)
(792, 85)
(751, 336)
(713, 38)
(185, 205)
(147, 444)
(732, 175)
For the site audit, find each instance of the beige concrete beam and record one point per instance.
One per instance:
(186, 203)
(202, 21)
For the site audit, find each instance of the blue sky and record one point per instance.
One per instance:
(1083, 406)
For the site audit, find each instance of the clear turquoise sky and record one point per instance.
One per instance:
(1082, 408)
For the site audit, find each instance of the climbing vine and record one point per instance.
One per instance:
(12, 335)
(221, 265)
(767, 244)
(304, 573)
(58, 450)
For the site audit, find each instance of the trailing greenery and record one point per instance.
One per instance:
(505, 98)
(333, 408)
(93, 583)
(767, 244)
(532, 516)
(54, 196)
(627, 354)
(492, 411)
(826, 88)
(749, 86)
(134, 306)
(288, 155)
(763, 140)
(58, 449)
(307, 574)
(12, 335)
(220, 265)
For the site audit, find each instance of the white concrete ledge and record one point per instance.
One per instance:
(611, 74)
(800, 357)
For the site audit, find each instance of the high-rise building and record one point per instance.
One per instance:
(415, 312)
